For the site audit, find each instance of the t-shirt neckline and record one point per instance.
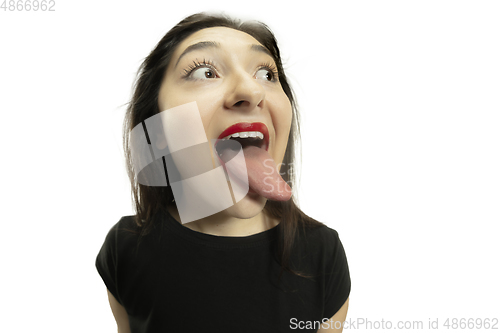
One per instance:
(255, 240)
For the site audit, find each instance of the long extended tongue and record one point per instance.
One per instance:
(263, 176)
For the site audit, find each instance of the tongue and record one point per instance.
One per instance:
(263, 176)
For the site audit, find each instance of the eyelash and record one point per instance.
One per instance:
(272, 69)
(209, 64)
(195, 65)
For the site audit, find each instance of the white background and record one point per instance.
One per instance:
(401, 148)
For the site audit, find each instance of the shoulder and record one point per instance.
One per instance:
(320, 247)
(319, 236)
(126, 224)
(125, 244)
(125, 229)
(121, 238)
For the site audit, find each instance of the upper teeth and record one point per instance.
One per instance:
(245, 135)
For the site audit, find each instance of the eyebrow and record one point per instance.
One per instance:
(212, 44)
(197, 46)
(260, 48)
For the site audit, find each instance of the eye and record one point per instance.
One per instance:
(265, 74)
(267, 71)
(203, 73)
(203, 70)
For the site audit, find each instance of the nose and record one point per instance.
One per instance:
(244, 93)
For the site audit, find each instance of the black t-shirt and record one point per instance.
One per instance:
(180, 280)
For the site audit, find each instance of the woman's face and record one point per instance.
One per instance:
(232, 79)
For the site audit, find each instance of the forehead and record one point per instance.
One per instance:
(226, 37)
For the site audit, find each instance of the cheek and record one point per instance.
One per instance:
(172, 96)
(174, 93)
(282, 117)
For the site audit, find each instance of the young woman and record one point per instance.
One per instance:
(260, 265)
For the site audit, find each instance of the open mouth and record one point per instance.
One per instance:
(247, 134)
(257, 170)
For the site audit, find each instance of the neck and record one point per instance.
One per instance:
(224, 224)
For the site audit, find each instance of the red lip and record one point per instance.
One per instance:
(246, 127)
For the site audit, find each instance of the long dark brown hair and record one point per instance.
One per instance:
(150, 201)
